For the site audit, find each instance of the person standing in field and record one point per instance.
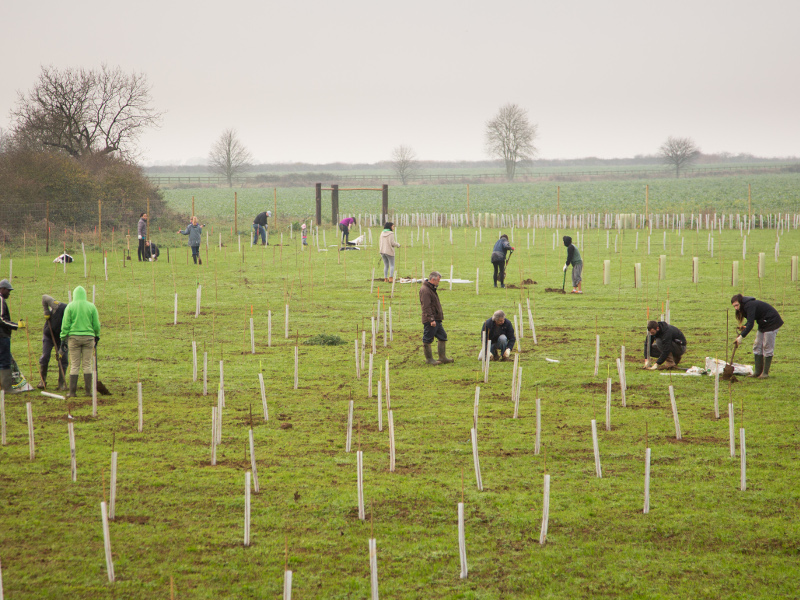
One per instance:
(574, 259)
(51, 338)
(500, 332)
(81, 329)
(432, 316)
(345, 225)
(195, 232)
(304, 234)
(501, 247)
(386, 244)
(142, 232)
(769, 321)
(260, 228)
(665, 340)
(7, 327)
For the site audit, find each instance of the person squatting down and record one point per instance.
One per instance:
(501, 247)
(667, 341)
(574, 258)
(51, 338)
(769, 321)
(260, 227)
(500, 332)
(151, 252)
(386, 244)
(345, 225)
(432, 316)
(80, 329)
(7, 327)
(142, 233)
(195, 232)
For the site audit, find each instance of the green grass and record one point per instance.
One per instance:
(180, 518)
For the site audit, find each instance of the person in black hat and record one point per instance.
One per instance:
(7, 326)
(501, 248)
(574, 259)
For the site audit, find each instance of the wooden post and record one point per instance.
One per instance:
(334, 204)
(318, 202)
(235, 213)
(47, 226)
(384, 203)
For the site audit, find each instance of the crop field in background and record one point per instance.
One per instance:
(729, 194)
(180, 520)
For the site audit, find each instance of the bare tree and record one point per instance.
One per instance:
(228, 156)
(510, 136)
(404, 162)
(85, 111)
(679, 152)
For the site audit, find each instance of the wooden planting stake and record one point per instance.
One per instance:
(675, 413)
(113, 485)
(360, 484)
(263, 401)
(372, 281)
(374, 346)
(391, 443)
(253, 461)
(269, 329)
(476, 462)
(517, 392)
(296, 366)
(358, 364)
(287, 323)
(252, 335)
(349, 440)
(380, 409)
(538, 442)
(597, 469)
(175, 312)
(2, 417)
(545, 509)
(477, 279)
(731, 430)
(205, 373)
(72, 458)
(608, 404)
(373, 568)
(597, 354)
(107, 542)
(475, 407)
(31, 443)
(385, 327)
(369, 380)
(213, 436)
(462, 541)
(194, 361)
(141, 411)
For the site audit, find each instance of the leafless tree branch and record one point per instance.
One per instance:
(679, 152)
(510, 136)
(228, 156)
(404, 162)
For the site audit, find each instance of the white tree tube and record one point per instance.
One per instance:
(373, 568)
(349, 439)
(205, 373)
(474, 436)
(72, 458)
(252, 337)
(462, 542)
(514, 377)
(175, 311)
(194, 361)
(269, 329)
(263, 397)
(363, 348)
(531, 325)
(391, 443)
(31, 442)
(646, 481)
(369, 378)
(482, 355)
(360, 484)
(140, 426)
(197, 301)
(296, 367)
(675, 413)
(105, 266)
(488, 354)
(475, 407)
(597, 355)
(391, 331)
(372, 281)
(521, 334)
(621, 382)
(385, 327)
(519, 341)
(247, 508)
(518, 392)
(1, 581)
(731, 431)
(113, 487)
(253, 462)
(358, 365)
(538, 442)
(380, 411)
(608, 404)
(451, 270)
(374, 335)
(287, 322)
(388, 388)
(545, 509)
(716, 392)
(107, 542)
(743, 452)
(597, 469)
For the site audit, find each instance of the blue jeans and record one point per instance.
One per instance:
(430, 332)
(5, 353)
(259, 229)
(500, 345)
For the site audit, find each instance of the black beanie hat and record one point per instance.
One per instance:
(388, 225)
(567, 240)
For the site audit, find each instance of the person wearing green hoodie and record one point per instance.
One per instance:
(81, 329)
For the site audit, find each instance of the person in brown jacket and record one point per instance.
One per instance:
(432, 316)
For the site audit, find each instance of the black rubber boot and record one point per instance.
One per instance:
(767, 365)
(758, 359)
(42, 377)
(443, 354)
(87, 383)
(429, 355)
(73, 386)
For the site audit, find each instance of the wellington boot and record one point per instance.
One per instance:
(385, 280)
(62, 386)
(443, 354)
(42, 378)
(429, 355)
(758, 359)
(73, 386)
(391, 279)
(87, 383)
(767, 365)
(6, 381)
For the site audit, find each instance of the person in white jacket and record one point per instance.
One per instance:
(387, 244)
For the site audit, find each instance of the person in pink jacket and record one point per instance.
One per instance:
(345, 225)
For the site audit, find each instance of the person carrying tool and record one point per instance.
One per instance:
(345, 225)
(501, 333)
(432, 316)
(574, 259)
(501, 248)
(386, 245)
(142, 233)
(666, 341)
(195, 232)
(51, 338)
(80, 329)
(7, 327)
(260, 227)
(769, 321)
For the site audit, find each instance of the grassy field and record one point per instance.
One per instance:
(181, 520)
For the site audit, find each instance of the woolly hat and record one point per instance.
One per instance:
(567, 240)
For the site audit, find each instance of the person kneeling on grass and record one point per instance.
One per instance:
(574, 258)
(769, 321)
(501, 333)
(151, 252)
(665, 340)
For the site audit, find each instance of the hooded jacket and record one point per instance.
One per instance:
(80, 316)
(195, 233)
(758, 311)
(6, 324)
(501, 247)
(431, 307)
(261, 219)
(387, 242)
(668, 334)
(573, 256)
(54, 316)
(142, 229)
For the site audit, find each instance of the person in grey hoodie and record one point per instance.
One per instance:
(386, 245)
(142, 233)
(195, 232)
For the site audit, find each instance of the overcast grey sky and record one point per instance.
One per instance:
(350, 80)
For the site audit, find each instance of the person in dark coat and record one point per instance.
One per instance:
(7, 327)
(151, 252)
(501, 248)
(141, 230)
(51, 338)
(574, 259)
(500, 332)
(666, 341)
(769, 321)
(260, 227)
(432, 316)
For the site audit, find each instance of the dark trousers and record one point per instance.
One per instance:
(195, 253)
(499, 271)
(345, 233)
(259, 230)
(140, 252)
(5, 353)
(431, 332)
(47, 349)
(676, 351)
